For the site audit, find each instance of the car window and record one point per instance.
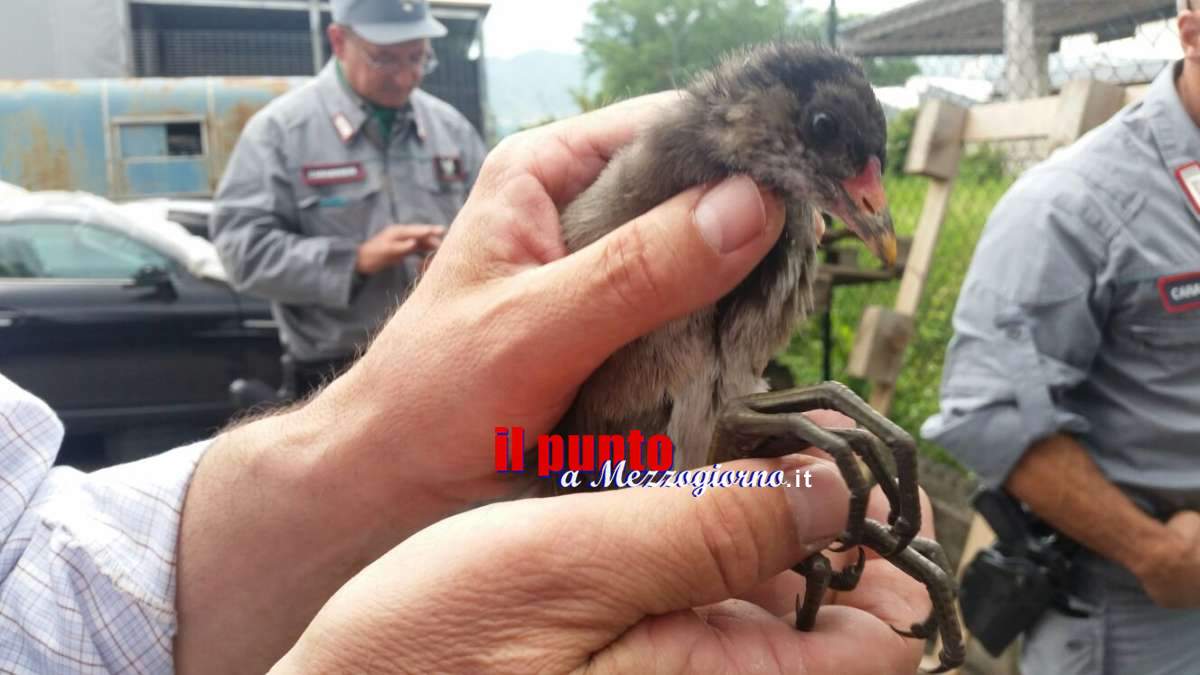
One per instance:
(71, 251)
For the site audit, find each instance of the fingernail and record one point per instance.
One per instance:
(731, 215)
(774, 208)
(820, 502)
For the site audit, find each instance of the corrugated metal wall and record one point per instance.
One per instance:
(62, 39)
(180, 41)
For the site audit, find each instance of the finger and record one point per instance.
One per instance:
(831, 419)
(402, 248)
(414, 231)
(1186, 523)
(566, 156)
(777, 595)
(691, 551)
(679, 257)
(573, 573)
(728, 636)
(878, 509)
(884, 590)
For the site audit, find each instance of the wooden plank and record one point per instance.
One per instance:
(916, 270)
(936, 144)
(1010, 121)
(1084, 105)
(879, 344)
(881, 396)
(1032, 118)
(920, 260)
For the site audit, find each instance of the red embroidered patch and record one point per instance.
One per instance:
(1180, 293)
(1188, 176)
(449, 169)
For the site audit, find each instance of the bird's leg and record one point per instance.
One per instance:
(872, 452)
(925, 561)
(743, 431)
(906, 510)
(818, 577)
(818, 574)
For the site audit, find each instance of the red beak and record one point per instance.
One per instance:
(866, 189)
(866, 211)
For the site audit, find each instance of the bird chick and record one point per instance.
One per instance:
(800, 120)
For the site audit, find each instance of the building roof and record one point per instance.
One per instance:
(474, 4)
(927, 27)
(479, 5)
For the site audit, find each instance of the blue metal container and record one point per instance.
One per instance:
(127, 138)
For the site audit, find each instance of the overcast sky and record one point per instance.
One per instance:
(515, 26)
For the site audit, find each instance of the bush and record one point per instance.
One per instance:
(899, 137)
(986, 163)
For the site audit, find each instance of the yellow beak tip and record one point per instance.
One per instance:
(888, 250)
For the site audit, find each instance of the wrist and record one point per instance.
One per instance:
(1150, 553)
(361, 266)
(370, 458)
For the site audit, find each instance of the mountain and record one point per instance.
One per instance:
(530, 87)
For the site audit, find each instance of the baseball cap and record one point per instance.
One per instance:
(385, 22)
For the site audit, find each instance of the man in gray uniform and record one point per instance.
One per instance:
(336, 191)
(1073, 379)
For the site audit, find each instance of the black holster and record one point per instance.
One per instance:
(1007, 587)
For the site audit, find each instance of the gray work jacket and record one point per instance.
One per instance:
(1081, 311)
(310, 180)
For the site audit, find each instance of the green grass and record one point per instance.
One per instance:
(916, 395)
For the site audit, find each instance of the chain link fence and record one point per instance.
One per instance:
(959, 47)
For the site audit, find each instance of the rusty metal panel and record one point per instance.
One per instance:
(127, 138)
(140, 111)
(233, 101)
(52, 135)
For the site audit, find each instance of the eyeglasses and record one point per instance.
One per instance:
(425, 62)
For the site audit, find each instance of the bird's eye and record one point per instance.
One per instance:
(824, 127)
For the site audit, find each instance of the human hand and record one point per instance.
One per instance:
(395, 242)
(1170, 572)
(642, 580)
(505, 326)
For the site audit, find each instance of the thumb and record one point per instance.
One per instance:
(1186, 524)
(557, 580)
(680, 256)
(709, 548)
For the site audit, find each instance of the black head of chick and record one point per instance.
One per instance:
(800, 120)
(804, 121)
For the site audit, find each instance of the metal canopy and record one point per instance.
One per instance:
(929, 27)
(440, 8)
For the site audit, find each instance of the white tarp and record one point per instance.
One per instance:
(64, 39)
(8, 190)
(145, 222)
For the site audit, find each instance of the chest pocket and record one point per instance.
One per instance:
(1152, 322)
(444, 178)
(441, 192)
(344, 210)
(1178, 334)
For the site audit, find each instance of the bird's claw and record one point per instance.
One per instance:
(762, 424)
